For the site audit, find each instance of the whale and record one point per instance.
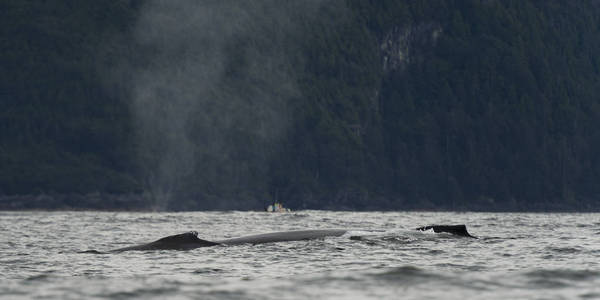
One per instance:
(183, 241)
(190, 240)
(284, 236)
(459, 230)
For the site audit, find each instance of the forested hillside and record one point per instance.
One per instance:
(466, 104)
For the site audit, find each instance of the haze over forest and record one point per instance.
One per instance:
(388, 104)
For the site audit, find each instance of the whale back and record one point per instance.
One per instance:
(460, 230)
(183, 241)
(283, 236)
(190, 240)
(188, 237)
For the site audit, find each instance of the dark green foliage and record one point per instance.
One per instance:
(61, 131)
(501, 112)
(491, 105)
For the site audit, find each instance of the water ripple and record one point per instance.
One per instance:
(382, 257)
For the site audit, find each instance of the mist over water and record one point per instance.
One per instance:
(210, 93)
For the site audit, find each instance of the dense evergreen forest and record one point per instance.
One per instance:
(386, 104)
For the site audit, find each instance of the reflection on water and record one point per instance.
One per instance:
(517, 256)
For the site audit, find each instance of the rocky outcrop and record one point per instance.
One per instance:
(403, 45)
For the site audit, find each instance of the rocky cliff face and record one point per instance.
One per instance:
(403, 45)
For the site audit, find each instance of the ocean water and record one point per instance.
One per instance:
(517, 256)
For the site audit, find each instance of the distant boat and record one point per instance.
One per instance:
(277, 207)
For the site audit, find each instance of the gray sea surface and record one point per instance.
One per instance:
(517, 256)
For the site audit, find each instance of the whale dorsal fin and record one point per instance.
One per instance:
(460, 230)
(185, 238)
(183, 241)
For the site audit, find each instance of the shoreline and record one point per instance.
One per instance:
(142, 203)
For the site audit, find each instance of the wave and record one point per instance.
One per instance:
(563, 274)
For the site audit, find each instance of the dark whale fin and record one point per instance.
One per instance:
(460, 230)
(188, 237)
(183, 241)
